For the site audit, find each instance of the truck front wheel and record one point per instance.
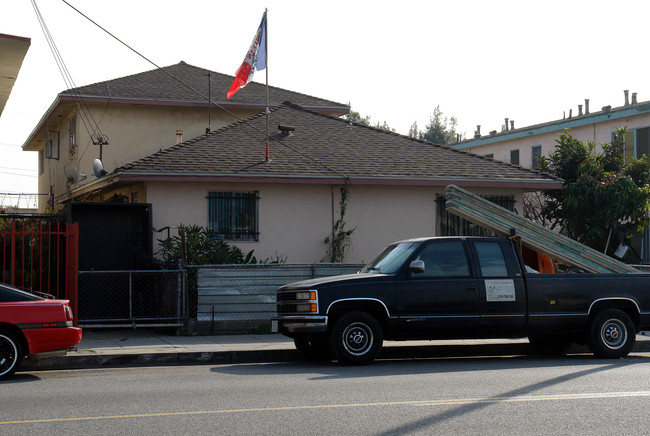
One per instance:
(356, 338)
(611, 334)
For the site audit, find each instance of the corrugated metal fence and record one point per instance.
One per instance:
(242, 298)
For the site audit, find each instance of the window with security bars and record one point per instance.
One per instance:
(234, 215)
(452, 225)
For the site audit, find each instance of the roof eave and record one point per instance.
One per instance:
(527, 184)
(343, 109)
(70, 98)
(40, 124)
(557, 126)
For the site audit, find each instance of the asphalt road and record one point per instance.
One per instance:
(576, 395)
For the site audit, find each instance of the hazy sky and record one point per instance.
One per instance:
(481, 61)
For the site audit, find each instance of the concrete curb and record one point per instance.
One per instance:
(157, 359)
(401, 350)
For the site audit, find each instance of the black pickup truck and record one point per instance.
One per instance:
(461, 288)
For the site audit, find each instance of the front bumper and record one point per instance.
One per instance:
(299, 324)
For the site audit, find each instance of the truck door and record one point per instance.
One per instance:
(441, 302)
(501, 289)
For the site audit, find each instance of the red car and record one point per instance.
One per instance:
(30, 325)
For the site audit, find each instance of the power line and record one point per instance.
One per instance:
(19, 175)
(84, 112)
(17, 169)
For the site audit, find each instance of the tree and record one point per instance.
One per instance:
(439, 130)
(357, 118)
(601, 196)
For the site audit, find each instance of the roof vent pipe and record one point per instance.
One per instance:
(579, 110)
(627, 101)
(286, 130)
(634, 98)
(477, 132)
(570, 113)
(179, 136)
(506, 124)
(512, 125)
(586, 106)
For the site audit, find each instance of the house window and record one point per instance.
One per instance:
(514, 157)
(489, 155)
(41, 162)
(536, 152)
(234, 215)
(642, 142)
(52, 147)
(453, 225)
(72, 137)
(637, 143)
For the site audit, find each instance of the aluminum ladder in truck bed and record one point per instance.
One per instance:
(534, 236)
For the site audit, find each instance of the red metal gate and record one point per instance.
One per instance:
(41, 255)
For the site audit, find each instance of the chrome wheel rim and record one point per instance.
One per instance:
(613, 334)
(8, 354)
(357, 338)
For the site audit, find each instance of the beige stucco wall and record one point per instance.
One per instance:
(134, 131)
(295, 219)
(598, 133)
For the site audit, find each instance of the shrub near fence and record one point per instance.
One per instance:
(241, 298)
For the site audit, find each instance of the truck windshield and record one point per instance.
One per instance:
(390, 259)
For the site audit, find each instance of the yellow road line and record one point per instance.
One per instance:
(441, 402)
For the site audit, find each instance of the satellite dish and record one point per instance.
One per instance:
(71, 174)
(98, 168)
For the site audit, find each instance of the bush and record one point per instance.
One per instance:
(197, 245)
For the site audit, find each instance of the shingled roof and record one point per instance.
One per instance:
(186, 84)
(324, 149)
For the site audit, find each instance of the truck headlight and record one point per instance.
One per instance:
(307, 301)
(306, 295)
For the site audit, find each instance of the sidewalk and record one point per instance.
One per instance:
(146, 347)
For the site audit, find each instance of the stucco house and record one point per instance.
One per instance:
(124, 119)
(522, 145)
(287, 205)
(220, 178)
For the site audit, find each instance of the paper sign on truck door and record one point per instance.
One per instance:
(499, 290)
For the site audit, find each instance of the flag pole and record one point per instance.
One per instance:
(266, 62)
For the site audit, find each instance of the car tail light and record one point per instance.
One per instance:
(68, 313)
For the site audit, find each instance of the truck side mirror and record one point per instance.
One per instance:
(417, 266)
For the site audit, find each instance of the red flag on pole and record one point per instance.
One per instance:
(255, 60)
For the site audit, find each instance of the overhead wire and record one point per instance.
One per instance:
(210, 101)
(91, 126)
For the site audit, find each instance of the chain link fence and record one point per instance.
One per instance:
(133, 298)
(213, 298)
(242, 298)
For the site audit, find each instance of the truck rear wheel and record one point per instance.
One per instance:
(611, 334)
(356, 338)
(10, 354)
